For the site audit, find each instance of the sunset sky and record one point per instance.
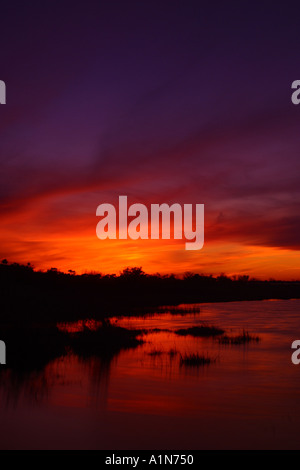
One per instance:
(186, 102)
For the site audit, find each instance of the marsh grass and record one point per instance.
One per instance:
(195, 360)
(173, 352)
(157, 330)
(159, 352)
(155, 352)
(203, 331)
(106, 340)
(243, 338)
(179, 310)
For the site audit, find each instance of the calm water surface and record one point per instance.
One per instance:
(249, 398)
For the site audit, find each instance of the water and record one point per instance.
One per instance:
(144, 398)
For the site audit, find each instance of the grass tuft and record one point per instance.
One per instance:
(203, 331)
(244, 338)
(195, 360)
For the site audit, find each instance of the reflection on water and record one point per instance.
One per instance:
(144, 397)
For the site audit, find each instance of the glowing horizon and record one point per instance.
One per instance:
(209, 123)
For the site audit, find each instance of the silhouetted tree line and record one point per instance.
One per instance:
(28, 295)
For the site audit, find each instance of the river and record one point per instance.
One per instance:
(247, 397)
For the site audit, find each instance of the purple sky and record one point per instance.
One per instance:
(162, 101)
